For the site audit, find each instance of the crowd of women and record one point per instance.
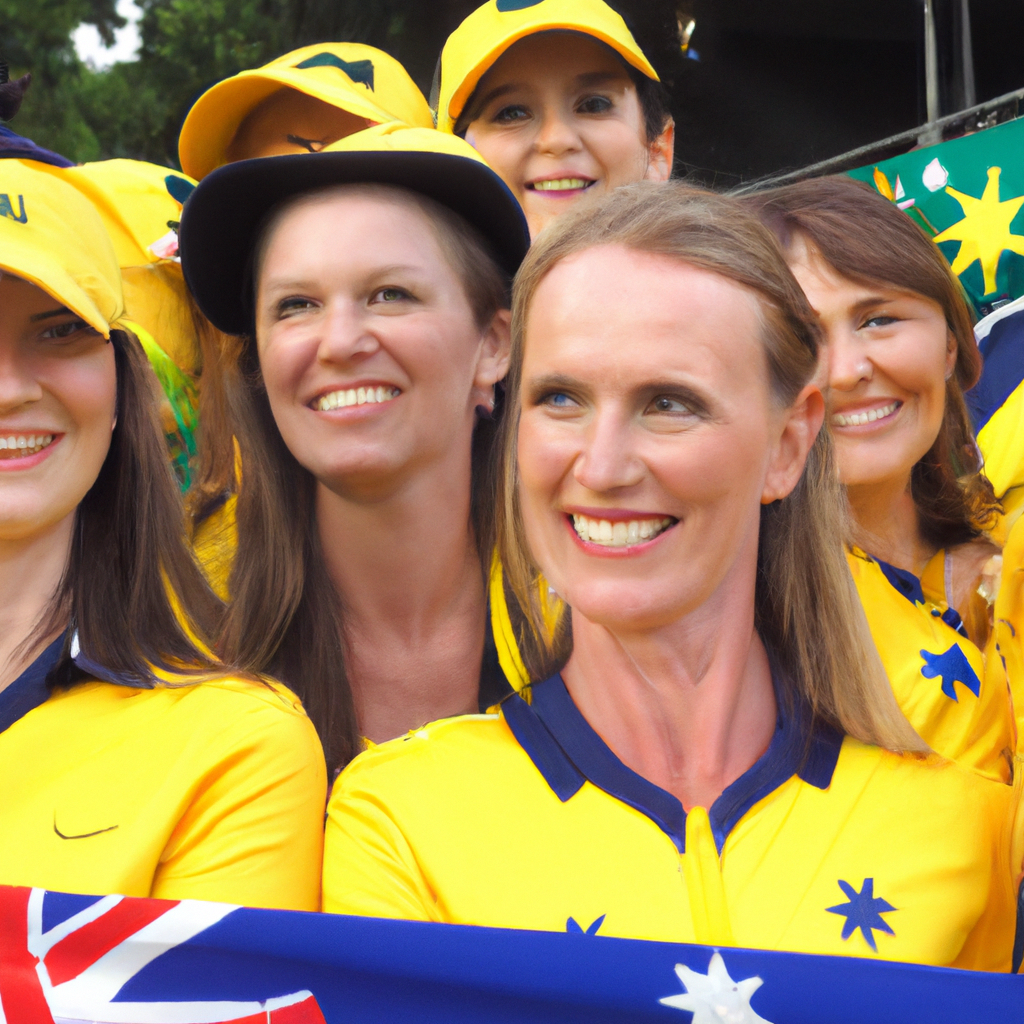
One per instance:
(601, 553)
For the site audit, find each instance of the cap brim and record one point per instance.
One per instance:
(223, 215)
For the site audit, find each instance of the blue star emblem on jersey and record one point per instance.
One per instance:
(360, 71)
(952, 667)
(573, 927)
(864, 911)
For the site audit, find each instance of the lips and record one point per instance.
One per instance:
(860, 418)
(620, 533)
(556, 185)
(345, 397)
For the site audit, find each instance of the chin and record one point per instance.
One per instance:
(626, 608)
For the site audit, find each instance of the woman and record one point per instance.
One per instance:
(719, 759)
(371, 282)
(131, 763)
(298, 103)
(558, 98)
(901, 354)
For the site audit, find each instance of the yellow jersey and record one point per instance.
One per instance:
(956, 696)
(526, 819)
(211, 790)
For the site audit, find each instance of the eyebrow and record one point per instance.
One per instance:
(49, 314)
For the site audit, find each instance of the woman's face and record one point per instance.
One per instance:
(558, 116)
(889, 354)
(58, 396)
(371, 356)
(648, 437)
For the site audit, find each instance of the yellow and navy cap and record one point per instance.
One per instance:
(52, 237)
(490, 30)
(222, 218)
(358, 78)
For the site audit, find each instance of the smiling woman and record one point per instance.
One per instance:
(131, 762)
(901, 354)
(709, 751)
(558, 99)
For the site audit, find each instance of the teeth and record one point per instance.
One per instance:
(619, 534)
(24, 444)
(354, 396)
(560, 184)
(858, 419)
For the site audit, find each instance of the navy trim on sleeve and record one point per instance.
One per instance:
(1002, 351)
(30, 689)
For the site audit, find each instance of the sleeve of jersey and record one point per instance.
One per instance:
(253, 832)
(369, 866)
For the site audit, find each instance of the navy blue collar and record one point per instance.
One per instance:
(31, 688)
(567, 752)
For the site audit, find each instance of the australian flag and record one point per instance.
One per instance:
(113, 960)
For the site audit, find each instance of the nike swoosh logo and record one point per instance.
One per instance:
(84, 835)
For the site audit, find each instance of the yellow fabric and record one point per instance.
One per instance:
(215, 118)
(52, 237)
(214, 544)
(454, 823)
(977, 731)
(489, 31)
(211, 791)
(1001, 441)
(509, 658)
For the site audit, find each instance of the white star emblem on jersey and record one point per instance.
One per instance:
(714, 998)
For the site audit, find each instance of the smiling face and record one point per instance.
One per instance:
(889, 354)
(58, 392)
(648, 437)
(372, 358)
(556, 116)
(289, 121)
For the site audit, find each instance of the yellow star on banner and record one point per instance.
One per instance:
(984, 232)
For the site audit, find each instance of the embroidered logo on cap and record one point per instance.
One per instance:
(360, 71)
(515, 5)
(7, 210)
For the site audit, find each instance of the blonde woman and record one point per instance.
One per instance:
(710, 751)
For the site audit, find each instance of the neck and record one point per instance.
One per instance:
(30, 572)
(413, 595)
(886, 523)
(689, 707)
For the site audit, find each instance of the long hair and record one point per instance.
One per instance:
(286, 617)
(865, 238)
(131, 588)
(807, 612)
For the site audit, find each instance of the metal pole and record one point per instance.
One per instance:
(931, 73)
(968, 51)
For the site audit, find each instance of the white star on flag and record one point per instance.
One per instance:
(714, 998)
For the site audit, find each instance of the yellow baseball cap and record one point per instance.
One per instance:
(52, 237)
(358, 78)
(222, 219)
(490, 30)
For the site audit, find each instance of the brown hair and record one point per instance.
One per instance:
(285, 616)
(131, 588)
(806, 609)
(864, 237)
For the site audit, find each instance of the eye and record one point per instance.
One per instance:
(557, 400)
(65, 330)
(390, 295)
(670, 405)
(511, 114)
(594, 105)
(293, 305)
(880, 320)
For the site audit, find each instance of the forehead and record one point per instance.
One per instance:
(22, 298)
(613, 311)
(553, 57)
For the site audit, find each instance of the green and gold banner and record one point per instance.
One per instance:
(968, 195)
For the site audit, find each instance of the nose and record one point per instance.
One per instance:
(345, 335)
(608, 460)
(848, 361)
(557, 136)
(19, 386)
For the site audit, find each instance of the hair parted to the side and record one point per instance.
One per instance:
(131, 588)
(865, 238)
(285, 617)
(807, 612)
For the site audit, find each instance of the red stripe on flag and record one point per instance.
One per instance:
(82, 948)
(20, 992)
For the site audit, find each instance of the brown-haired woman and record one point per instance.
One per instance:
(709, 764)
(901, 354)
(371, 283)
(131, 762)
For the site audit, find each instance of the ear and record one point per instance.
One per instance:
(661, 153)
(951, 354)
(801, 425)
(495, 349)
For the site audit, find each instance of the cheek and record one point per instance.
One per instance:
(504, 152)
(87, 388)
(620, 150)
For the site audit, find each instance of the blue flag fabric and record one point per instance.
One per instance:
(135, 961)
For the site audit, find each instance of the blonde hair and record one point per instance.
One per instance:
(807, 611)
